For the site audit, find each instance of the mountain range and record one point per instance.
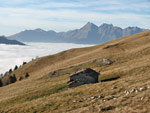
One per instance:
(4, 40)
(88, 34)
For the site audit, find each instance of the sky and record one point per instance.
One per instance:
(11, 55)
(64, 15)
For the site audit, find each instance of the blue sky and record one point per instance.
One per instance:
(63, 15)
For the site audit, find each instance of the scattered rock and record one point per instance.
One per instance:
(136, 91)
(103, 100)
(106, 61)
(142, 89)
(142, 98)
(115, 98)
(114, 87)
(110, 97)
(92, 98)
(86, 76)
(107, 108)
(148, 86)
(89, 99)
(133, 90)
(76, 101)
(127, 92)
(100, 97)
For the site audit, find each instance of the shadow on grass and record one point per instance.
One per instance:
(110, 77)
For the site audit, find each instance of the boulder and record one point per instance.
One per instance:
(106, 61)
(86, 76)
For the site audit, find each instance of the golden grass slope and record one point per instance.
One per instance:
(39, 93)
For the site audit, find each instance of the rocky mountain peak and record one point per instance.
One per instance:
(105, 25)
(89, 26)
(39, 30)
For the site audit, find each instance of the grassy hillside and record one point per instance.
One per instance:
(41, 93)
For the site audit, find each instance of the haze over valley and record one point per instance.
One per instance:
(11, 55)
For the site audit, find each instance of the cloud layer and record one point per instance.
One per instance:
(17, 15)
(11, 55)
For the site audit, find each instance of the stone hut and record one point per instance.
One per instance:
(86, 76)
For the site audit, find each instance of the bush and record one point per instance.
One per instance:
(27, 75)
(7, 79)
(20, 78)
(10, 71)
(1, 84)
(13, 79)
(16, 67)
(24, 63)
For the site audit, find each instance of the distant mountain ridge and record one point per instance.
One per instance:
(88, 34)
(4, 40)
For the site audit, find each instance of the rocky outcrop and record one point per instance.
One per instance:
(86, 76)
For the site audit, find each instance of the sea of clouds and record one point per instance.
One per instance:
(11, 55)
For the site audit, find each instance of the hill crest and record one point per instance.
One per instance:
(4, 40)
(39, 92)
